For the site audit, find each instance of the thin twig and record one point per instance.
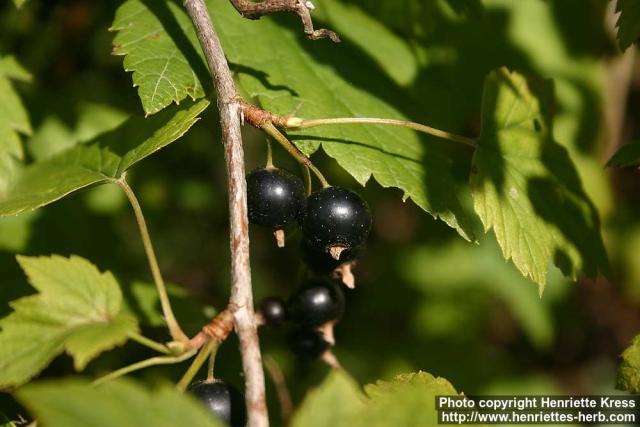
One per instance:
(241, 299)
(141, 339)
(154, 361)
(297, 123)
(174, 328)
(302, 8)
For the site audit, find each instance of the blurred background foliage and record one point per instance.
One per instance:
(426, 300)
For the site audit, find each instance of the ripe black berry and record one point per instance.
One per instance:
(321, 262)
(335, 218)
(224, 401)
(274, 197)
(272, 311)
(307, 344)
(318, 301)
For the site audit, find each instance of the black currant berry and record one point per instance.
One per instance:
(224, 401)
(321, 262)
(335, 218)
(318, 301)
(307, 344)
(274, 197)
(272, 311)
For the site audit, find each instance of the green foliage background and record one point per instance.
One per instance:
(426, 299)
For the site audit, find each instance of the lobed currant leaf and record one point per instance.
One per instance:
(525, 186)
(77, 309)
(160, 47)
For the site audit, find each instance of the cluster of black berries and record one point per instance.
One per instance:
(335, 223)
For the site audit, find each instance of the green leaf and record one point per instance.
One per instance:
(525, 186)
(123, 403)
(627, 155)
(104, 159)
(629, 371)
(340, 393)
(305, 72)
(628, 22)
(13, 116)
(408, 400)
(19, 3)
(77, 309)
(162, 50)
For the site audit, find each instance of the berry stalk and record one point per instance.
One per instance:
(294, 151)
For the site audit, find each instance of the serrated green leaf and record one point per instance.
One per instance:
(302, 72)
(340, 393)
(161, 48)
(104, 159)
(408, 400)
(627, 155)
(628, 22)
(629, 371)
(13, 116)
(77, 309)
(123, 403)
(525, 186)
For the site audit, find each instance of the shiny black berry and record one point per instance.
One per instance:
(321, 262)
(224, 401)
(272, 311)
(307, 344)
(335, 218)
(318, 301)
(274, 197)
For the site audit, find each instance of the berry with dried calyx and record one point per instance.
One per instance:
(321, 262)
(335, 219)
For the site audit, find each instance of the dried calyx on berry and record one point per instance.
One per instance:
(222, 400)
(271, 312)
(274, 198)
(321, 262)
(335, 219)
(316, 303)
